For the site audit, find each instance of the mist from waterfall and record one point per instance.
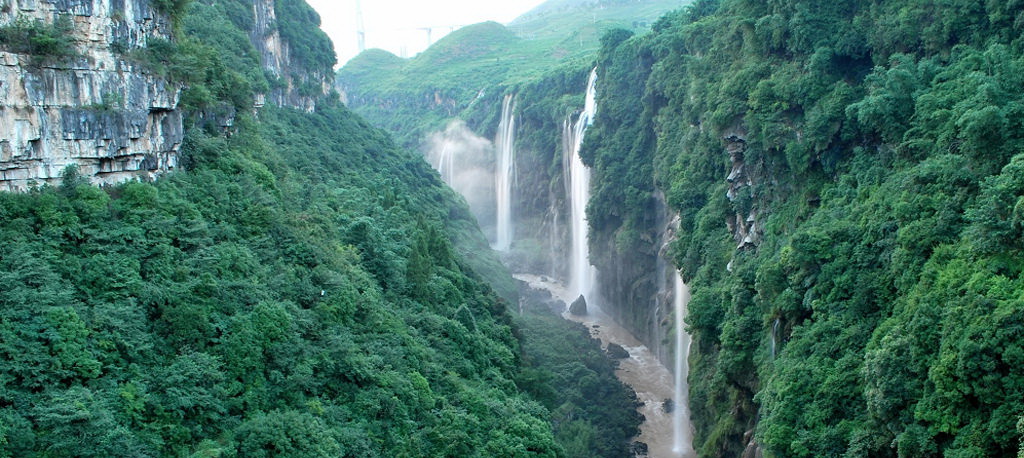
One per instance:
(504, 177)
(682, 429)
(465, 162)
(577, 178)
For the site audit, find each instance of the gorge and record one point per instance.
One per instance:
(820, 175)
(721, 228)
(658, 390)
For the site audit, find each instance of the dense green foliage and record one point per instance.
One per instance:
(299, 25)
(413, 97)
(175, 9)
(884, 144)
(304, 288)
(44, 42)
(593, 413)
(219, 65)
(212, 57)
(270, 299)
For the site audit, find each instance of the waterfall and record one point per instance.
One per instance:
(466, 162)
(582, 273)
(446, 164)
(682, 435)
(504, 145)
(775, 336)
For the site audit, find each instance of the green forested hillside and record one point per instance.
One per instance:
(412, 98)
(884, 143)
(270, 299)
(477, 64)
(559, 29)
(304, 288)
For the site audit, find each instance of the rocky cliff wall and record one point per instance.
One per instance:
(96, 110)
(636, 283)
(297, 85)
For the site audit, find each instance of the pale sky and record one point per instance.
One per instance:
(395, 25)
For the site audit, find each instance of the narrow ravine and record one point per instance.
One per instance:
(652, 381)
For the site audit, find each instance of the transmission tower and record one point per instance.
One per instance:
(429, 31)
(360, 28)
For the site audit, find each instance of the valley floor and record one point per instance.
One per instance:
(642, 371)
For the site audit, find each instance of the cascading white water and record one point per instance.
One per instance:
(775, 336)
(504, 174)
(446, 164)
(682, 433)
(582, 273)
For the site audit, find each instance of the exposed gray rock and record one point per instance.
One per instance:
(744, 228)
(615, 351)
(111, 118)
(578, 306)
(753, 449)
(639, 449)
(275, 55)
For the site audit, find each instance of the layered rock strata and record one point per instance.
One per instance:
(96, 110)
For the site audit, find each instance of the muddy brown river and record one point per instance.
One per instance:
(642, 371)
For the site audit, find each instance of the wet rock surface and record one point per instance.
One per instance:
(615, 351)
(578, 306)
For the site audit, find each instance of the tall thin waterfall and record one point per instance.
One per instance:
(504, 176)
(775, 336)
(583, 274)
(682, 435)
(446, 164)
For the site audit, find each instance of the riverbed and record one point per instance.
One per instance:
(652, 382)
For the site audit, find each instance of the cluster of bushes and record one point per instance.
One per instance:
(45, 42)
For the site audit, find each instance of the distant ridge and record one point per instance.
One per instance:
(444, 80)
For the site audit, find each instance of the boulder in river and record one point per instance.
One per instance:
(579, 306)
(668, 405)
(615, 351)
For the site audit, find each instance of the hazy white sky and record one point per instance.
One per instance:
(395, 25)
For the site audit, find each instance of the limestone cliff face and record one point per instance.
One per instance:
(296, 86)
(742, 224)
(111, 118)
(636, 284)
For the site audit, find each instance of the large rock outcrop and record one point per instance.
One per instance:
(298, 84)
(743, 223)
(97, 110)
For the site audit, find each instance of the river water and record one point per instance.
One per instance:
(642, 371)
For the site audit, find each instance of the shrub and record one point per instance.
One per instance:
(47, 42)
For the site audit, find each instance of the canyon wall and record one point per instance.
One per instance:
(74, 90)
(296, 81)
(94, 109)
